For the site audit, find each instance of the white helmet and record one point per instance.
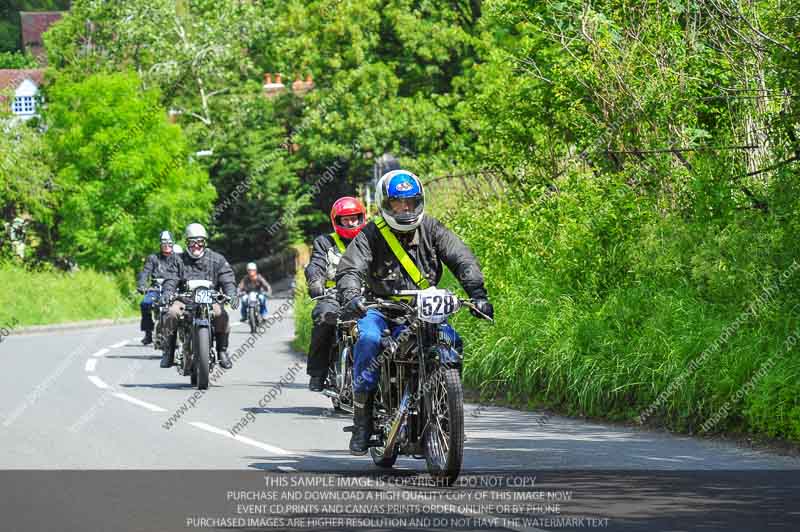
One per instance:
(166, 237)
(252, 266)
(196, 240)
(404, 188)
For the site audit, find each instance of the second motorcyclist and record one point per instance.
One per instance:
(348, 216)
(155, 267)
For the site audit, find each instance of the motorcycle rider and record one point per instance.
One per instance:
(348, 216)
(401, 249)
(155, 266)
(254, 282)
(199, 262)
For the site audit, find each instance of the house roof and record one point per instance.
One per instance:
(12, 78)
(35, 23)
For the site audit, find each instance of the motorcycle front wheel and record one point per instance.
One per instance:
(252, 317)
(202, 357)
(444, 436)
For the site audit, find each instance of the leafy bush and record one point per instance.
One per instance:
(46, 296)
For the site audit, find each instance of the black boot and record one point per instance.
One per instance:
(168, 358)
(148, 338)
(362, 421)
(316, 384)
(222, 351)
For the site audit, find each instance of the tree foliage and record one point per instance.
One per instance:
(122, 170)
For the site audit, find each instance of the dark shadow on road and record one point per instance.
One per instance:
(163, 385)
(142, 357)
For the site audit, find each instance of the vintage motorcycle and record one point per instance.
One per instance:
(194, 349)
(419, 404)
(340, 371)
(253, 310)
(158, 311)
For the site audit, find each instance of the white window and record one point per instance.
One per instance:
(24, 105)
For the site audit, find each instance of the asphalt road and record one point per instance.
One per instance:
(96, 399)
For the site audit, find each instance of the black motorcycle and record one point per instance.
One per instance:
(158, 311)
(194, 349)
(419, 405)
(340, 371)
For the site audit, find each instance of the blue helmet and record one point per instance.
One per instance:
(401, 200)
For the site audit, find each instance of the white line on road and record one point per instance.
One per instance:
(264, 446)
(100, 353)
(91, 364)
(97, 381)
(143, 404)
(119, 344)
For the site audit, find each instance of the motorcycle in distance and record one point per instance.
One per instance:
(254, 318)
(158, 311)
(419, 404)
(194, 348)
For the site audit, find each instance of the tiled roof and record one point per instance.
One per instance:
(34, 24)
(11, 78)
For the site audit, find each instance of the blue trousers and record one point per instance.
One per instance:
(366, 369)
(147, 303)
(262, 300)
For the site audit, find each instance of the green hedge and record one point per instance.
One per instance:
(608, 307)
(46, 296)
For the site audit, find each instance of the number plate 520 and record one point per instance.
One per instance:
(435, 305)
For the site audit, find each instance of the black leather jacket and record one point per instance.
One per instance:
(211, 266)
(325, 257)
(157, 265)
(369, 260)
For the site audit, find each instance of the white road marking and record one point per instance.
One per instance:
(247, 441)
(149, 406)
(100, 353)
(287, 469)
(91, 364)
(97, 381)
(119, 344)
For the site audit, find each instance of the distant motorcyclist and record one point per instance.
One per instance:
(155, 267)
(199, 263)
(348, 216)
(254, 282)
(402, 249)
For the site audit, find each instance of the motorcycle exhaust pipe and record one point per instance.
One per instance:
(399, 421)
(330, 393)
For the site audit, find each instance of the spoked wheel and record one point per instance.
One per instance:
(444, 436)
(202, 358)
(252, 317)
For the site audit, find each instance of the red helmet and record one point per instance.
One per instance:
(348, 206)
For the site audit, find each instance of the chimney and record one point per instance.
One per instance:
(272, 88)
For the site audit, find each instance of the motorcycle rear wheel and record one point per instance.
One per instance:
(444, 436)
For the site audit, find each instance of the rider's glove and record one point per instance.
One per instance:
(141, 289)
(234, 301)
(484, 306)
(316, 288)
(356, 308)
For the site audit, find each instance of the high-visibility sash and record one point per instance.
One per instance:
(339, 243)
(401, 254)
(330, 283)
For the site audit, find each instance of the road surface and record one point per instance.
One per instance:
(96, 400)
